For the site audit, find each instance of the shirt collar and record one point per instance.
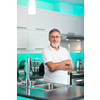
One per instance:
(50, 47)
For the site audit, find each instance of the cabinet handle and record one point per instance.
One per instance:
(80, 80)
(22, 27)
(39, 29)
(39, 48)
(19, 48)
(70, 33)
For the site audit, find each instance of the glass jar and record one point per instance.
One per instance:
(36, 65)
(36, 62)
(35, 69)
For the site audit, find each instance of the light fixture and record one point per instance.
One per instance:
(67, 39)
(78, 40)
(32, 7)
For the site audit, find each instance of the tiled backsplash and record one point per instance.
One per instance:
(73, 55)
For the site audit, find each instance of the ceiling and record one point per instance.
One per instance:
(73, 2)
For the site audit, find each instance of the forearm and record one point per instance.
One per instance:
(67, 67)
(56, 66)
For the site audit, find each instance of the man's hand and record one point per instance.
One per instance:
(68, 65)
(68, 62)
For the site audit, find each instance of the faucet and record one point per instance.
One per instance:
(29, 60)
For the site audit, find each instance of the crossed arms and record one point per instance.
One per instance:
(65, 65)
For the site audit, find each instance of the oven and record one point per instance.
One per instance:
(77, 79)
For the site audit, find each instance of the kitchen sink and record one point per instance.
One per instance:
(50, 86)
(43, 86)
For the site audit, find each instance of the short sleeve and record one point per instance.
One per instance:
(46, 56)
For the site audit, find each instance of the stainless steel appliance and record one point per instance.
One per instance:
(71, 37)
(77, 78)
(78, 81)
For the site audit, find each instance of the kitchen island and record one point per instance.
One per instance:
(65, 93)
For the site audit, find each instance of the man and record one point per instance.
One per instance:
(56, 59)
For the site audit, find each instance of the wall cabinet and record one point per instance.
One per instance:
(81, 26)
(22, 39)
(69, 25)
(39, 21)
(55, 21)
(31, 40)
(22, 16)
(37, 40)
(34, 29)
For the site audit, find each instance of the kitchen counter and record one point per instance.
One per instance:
(76, 70)
(66, 93)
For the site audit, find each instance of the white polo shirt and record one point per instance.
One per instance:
(50, 54)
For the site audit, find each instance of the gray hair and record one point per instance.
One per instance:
(54, 30)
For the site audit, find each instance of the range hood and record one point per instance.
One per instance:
(71, 37)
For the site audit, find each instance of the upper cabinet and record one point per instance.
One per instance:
(45, 20)
(39, 21)
(55, 21)
(33, 30)
(69, 25)
(37, 40)
(31, 40)
(22, 16)
(81, 26)
(22, 38)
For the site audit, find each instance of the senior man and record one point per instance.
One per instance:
(56, 59)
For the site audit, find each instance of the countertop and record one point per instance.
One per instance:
(66, 93)
(76, 70)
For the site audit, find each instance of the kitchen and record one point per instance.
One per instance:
(53, 15)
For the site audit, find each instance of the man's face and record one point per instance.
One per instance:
(55, 39)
